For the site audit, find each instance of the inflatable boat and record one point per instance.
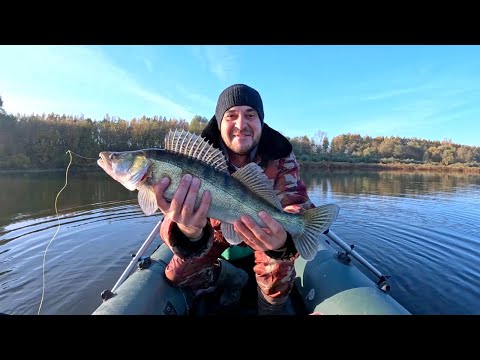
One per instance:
(330, 284)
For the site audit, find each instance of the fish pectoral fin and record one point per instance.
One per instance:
(253, 177)
(147, 199)
(230, 234)
(317, 220)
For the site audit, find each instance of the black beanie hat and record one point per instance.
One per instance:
(238, 95)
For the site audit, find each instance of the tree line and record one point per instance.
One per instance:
(393, 149)
(41, 141)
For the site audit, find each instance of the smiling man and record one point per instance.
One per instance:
(239, 130)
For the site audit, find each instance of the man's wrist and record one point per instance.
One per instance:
(286, 251)
(196, 238)
(284, 244)
(186, 248)
(192, 237)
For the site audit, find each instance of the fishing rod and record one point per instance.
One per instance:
(108, 293)
(382, 283)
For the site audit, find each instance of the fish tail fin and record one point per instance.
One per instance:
(317, 220)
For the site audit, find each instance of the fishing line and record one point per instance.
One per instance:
(58, 227)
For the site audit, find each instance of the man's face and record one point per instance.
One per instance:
(241, 129)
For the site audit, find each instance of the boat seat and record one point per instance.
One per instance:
(237, 252)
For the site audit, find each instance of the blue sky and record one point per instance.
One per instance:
(428, 92)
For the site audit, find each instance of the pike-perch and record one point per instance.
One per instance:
(245, 192)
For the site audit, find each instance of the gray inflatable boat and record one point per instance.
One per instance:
(330, 284)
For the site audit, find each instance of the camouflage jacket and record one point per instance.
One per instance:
(275, 155)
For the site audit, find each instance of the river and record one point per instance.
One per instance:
(421, 228)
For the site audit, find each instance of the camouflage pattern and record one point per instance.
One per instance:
(200, 270)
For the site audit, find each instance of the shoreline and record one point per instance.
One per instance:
(308, 165)
(389, 167)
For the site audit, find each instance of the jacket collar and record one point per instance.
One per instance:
(272, 145)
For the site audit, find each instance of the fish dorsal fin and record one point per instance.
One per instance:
(253, 177)
(196, 147)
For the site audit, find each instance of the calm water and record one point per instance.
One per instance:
(422, 229)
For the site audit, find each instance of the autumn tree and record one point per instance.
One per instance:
(302, 145)
(325, 144)
(319, 140)
(2, 111)
(464, 154)
(338, 144)
(387, 147)
(197, 124)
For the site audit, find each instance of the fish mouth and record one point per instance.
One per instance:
(105, 163)
(130, 180)
(103, 157)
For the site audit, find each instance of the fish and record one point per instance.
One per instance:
(246, 191)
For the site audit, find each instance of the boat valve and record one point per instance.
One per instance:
(343, 257)
(144, 262)
(106, 294)
(382, 283)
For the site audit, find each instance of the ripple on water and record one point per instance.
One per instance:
(91, 246)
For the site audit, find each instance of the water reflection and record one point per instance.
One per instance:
(420, 227)
(32, 195)
(387, 183)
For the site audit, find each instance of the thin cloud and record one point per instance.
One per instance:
(412, 117)
(438, 100)
(401, 118)
(28, 105)
(385, 126)
(379, 95)
(164, 103)
(148, 64)
(45, 72)
(392, 93)
(197, 98)
(428, 82)
(219, 60)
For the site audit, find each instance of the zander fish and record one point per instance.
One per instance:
(245, 192)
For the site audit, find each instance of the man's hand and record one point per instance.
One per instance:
(182, 207)
(262, 239)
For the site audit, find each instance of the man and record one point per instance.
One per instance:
(238, 129)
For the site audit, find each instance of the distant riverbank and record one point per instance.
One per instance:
(304, 164)
(384, 167)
